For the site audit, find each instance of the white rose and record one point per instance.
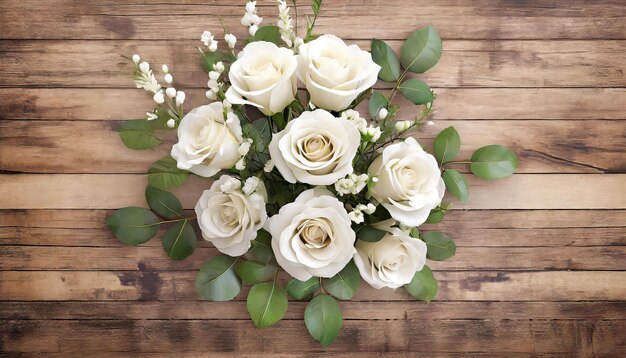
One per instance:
(312, 235)
(264, 76)
(409, 182)
(334, 73)
(206, 143)
(230, 220)
(392, 261)
(315, 148)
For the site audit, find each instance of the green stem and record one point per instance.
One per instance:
(174, 220)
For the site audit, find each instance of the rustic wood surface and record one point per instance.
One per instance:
(540, 268)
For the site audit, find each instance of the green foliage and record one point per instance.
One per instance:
(217, 281)
(323, 319)
(133, 225)
(447, 145)
(456, 184)
(163, 203)
(160, 123)
(138, 134)
(303, 289)
(370, 234)
(180, 240)
(437, 214)
(421, 50)
(384, 56)
(377, 101)
(493, 162)
(164, 174)
(345, 283)
(440, 246)
(251, 272)
(267, 303)
(423, 286)
(269, 33)
(261, 247)
(417, 91)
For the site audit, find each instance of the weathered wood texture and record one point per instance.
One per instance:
(540, 269)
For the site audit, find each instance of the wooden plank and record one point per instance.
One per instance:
(463, 63)
(112, 191)
(150, 285)
(528, 336)
(544, 147)
(64, 19)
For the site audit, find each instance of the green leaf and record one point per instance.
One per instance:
(370, 234)
(261, 247)
(417, 91)
(440, 246)
(252, 272)
(160, 123)
(217, 281)
(421, 50)
(456, 184)
(303, 289)
(345, 283)
(322, 318)
(447, 145)
(163, 202)
(377, 101)
(180, 240)
(269, 33)
(317, 4)
(267, 304)
(133, 225)
(493, 162)
(384, 56)
(138, 134)
(423, 286)
(164, 174)
(435, 217)
(209, 59)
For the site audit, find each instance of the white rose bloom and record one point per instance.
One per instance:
(312, 235)
(230, 220)
(335, 73)
(315, 148)
(264, 76)
(392, 261)
(409, 182)
(206, 144)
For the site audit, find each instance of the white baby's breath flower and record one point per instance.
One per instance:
(231, 40)
(165, 68)
(219, 67)
(230, 184)
(213, 84)
(344, 186)
(430, 123)
(227, 105)
(171, 92)
(382, 114)
(136, 58)
(251, 185)
(285, 23)
(269, 166)
(180, 98)
(356, 216)
(158, 97)
(168, 78)
(241, 164)
(214, 75)
(253, 29)
(244, 148)
(251, 6)
(354, 118)
(144, 78)
(371, 134)
(171, 123)
(402, 126)
(369, 209)
(206, 38)
(213, 46)
(210, 95)
(144, 67)
(151, 116)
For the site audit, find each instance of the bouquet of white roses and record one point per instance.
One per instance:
(304, 182)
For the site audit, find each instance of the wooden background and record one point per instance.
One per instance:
(541, 259)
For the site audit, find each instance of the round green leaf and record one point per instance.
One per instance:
(252, 272)
(164, 174)
(269, 33)
(267, 303)
(493, 162)
(447, 145)
(345, 283)
(322, 318)
(303, 289)
(163, 202)
(423, 286)
(180, 240)
(421, 50)
(417, 91)
(217, 281)
(384, 56)
(377, 101)
(261, 247)
(133, 225)
(138, 134)
(440, 247)
(370, 234)
(456, 184)
(436, 216)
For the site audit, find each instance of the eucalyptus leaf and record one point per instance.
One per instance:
(267, 303)
(456, 184)
(217, 281)
(163, 202)
(493, 162)
(323, 319)
(370, 234)
(251, 272)
(421, 50)
(269, 33)
(447, 145)
(377, 101)
(384, 56)
(164, 174)
(261, 247)
(417, 91)
(138, 134)
(133, 225)
(439, 246)
(423, 286)
(345, 283)
(180, 240)
(303, 289)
